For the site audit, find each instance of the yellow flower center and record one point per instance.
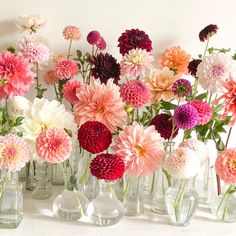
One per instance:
(101, 110)
(140, 150)
(9, 153)
(234, 164)
(136, 60)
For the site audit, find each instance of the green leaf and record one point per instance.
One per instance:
(68, 131)
(3, 81)
(220, 145)
(78, 53)
(18, 121)
(201, 96)
(168, 105)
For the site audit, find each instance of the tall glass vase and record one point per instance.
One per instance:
(11, 200)
(30, 175)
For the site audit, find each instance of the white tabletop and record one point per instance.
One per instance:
(39, 220)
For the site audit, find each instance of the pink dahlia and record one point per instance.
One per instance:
(66, 69)
(14, 152)
(140, 148)
(136, 62)
(204, 111)
(17, 71)
(135, 93)
(229, 100)
(72, 33)
(100, 102)
(50, 77)
(70, 89)
(53, 145)
(94, 37)
(226, 166)
(102, 44)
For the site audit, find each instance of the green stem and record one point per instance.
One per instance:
(227, 141)
(55, 89)
(210, 97)
(126, 187)
(153, 182)
(4, 183)
(82, 178)
(111, 189)
(168, 177)
(69, 49)
(37, 80)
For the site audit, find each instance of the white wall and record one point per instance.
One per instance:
(168, 22)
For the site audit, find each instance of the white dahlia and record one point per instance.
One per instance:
(30, 22)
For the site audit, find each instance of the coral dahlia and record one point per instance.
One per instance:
(66, 69)
(72, 33)
(70, 89)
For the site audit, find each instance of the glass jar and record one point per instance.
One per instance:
(181, 203)
(11, 201)
(105, 209)
(30, 175)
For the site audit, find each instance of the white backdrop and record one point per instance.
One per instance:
(168, 22)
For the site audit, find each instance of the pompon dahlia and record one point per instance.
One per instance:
(204, 111)
(14, 152)
(66, 69)
(140, 148)
(135, 93)
(208, 32)
(17, 71)
(94, 136)
(193, 65)
(214, 70)
(176, 59)
(136, 62)
(182, 163)
(72, 33)
(102, 44)
(50, 77)
(70, 89)
(199, 147)
(108, 167)
(132, 39)
(185, 116)
(105, 67)
(94, 37)
(53, 145)
(182, 88)
(164, 125)
(229, 101)
(225, 166)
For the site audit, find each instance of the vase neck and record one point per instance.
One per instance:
(8, 175)
(106, 187)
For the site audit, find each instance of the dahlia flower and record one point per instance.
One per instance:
(182, 163)
(214, 70)
(186, 116)
(229, 100)
(132, 39)
(140, 148)
(94, 136)
(72, 33)
(33, 38)
(160, 82)
(94, 37)
(208, 32)
(193, 65)
(176, 59)
(14, 152)
(30, 22)
(225, 166)
(102, 44)
(136, 62)
(108, 167)
(66, 69)
(135, 93)
(53, 145)
(105, 67)
(17, 71)
(199, 147)
(182, 88)
(204, 111)
(70, 89)
(51, 77)
(18, 105)
(100, 102)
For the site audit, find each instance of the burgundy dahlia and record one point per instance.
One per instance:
(105, 67)
(182, 88)
(132, 39)
(94, 136)
(107, 166)
(208, 32)
(192, 66)
(164, 125)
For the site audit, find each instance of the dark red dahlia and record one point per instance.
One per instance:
(105, 67)
(208, 32)
(94, 137)
(192, 66)
(164, 126)
(132, 39)
(108, 167)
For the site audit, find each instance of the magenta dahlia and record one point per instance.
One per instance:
(94, 37)
(207, 32)
(182, 88)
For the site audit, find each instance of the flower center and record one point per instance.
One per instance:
(101, 110)
(9, 153)
(136, 60)
(217, 70)
(140, 150)
(234, 164)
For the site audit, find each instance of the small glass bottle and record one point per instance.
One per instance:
(105, 209)
(11, 200)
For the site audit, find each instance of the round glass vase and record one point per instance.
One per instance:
(105, 209)
(181, 203)
(223, 206)
(11, 200)
(72, 203)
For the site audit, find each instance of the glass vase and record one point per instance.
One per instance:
(181, 203)
(223, 206)
(11, 201)
(72, 203)
(43, 186)
(133, 196)
(30, 175)
(105, 209)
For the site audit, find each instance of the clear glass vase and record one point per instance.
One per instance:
(72, 203)
(181, 203)
(30, 175)
(105, 209)
(11, 201)
(43, 186)
(133, 196)
(223, 206)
